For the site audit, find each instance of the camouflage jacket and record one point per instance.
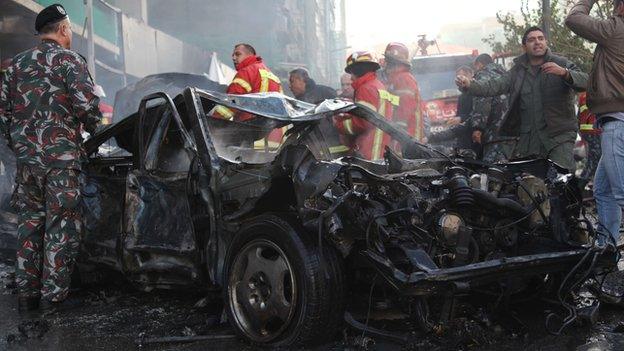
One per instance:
(46, 98)
(487, 112)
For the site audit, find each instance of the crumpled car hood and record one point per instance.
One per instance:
(278, 106)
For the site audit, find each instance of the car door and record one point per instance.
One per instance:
(159, 246)
(103, 193)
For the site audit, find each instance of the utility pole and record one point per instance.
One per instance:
(546, 18)
(90, 38)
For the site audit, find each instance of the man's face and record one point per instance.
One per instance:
(65, 34)
(536, 44)
(239, 54)
(345, 85)
(618, 9)
(477, 66)
(297, 85)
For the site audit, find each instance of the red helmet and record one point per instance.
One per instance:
(398, 52)
(361, 57)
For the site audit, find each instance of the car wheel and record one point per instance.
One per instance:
(277, 291)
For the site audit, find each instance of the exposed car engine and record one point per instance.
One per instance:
(451, 214)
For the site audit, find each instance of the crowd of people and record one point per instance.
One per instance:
(48, 97)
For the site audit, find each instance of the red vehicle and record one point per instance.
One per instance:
(436, 78)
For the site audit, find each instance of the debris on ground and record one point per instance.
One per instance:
(31, 329)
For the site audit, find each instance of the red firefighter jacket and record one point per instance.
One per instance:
(363, 136)
(587, 120)
(408, 113)
(252, 76)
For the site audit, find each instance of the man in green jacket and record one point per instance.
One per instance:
(541, 88)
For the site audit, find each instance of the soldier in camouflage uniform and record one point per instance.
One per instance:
(487, 114)
(47, 98)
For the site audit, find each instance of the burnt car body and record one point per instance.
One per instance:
(288, 231)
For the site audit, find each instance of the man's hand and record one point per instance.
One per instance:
(553, 68)
(476, 136)
(452, 121)
(462, 82)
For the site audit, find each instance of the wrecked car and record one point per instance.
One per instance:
(289, 231)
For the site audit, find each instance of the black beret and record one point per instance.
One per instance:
(51, 14)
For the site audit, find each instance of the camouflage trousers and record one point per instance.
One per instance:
(48, 231)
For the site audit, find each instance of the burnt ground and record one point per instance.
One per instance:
(113, 315)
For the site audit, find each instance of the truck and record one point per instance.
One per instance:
(436, 78)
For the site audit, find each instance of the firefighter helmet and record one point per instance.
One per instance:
(361, 58)
(397, 52)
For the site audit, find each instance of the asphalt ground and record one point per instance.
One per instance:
(112, 315)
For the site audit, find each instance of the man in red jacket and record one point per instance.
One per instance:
(590, 134)
(363, 137)
(252, 76)
(401, 82)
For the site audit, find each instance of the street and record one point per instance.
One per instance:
(112, 315)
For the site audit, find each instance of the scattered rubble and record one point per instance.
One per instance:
(28, 330)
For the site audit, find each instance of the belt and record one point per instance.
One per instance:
(606, 119)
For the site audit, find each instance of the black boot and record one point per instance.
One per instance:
(27, 303)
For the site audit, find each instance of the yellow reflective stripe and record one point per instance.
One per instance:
(587, 127)
(264, 80)
(417, 129)
(348, 125)
(264, 85)
(367, 104)
(376, 154)
(243, 83)
(269, 75)
(403, 92)
(285, 129)
(385, 95)
(583, 108)
(382, 107)
(338, 149)
(401, 123)
(259, 144)
(225, 112)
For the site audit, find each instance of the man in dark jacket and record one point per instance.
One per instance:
(487, 113)
(541, 88)
(605, 98)
(305, 88)
(457, 131)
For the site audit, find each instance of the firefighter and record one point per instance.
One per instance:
(401, 82)
(252, 76)
(362, 137)
(590, 133)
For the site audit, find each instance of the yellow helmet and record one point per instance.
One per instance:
(361, 57)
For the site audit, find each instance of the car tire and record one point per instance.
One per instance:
(277, 292)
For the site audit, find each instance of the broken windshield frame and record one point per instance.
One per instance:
(273, 111)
